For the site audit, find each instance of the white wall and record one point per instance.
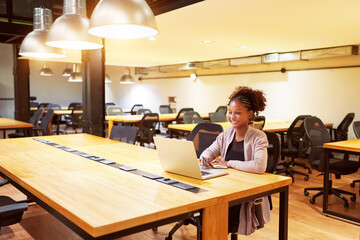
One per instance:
(328, 94)
(7, 107)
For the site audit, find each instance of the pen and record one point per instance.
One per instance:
(208, 162)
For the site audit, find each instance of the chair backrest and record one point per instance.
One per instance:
(356, 127)
(125, 134)
(43, 105)
(341, 132)
(34, 104)
(192, 117)
(147, 127)
(296, 140)
(72, 105)
(135, 108)
(217, 117)
(222, 109)
(203, 135)
(143, 111)
(45, 122)
(165, 109)
(274, 150)
(179, 116)
(36, 117)
(259, 122)
(317, 134)
(54, 106)
(76, 116)
(114, 110)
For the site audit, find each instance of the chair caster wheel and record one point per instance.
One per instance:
(312, 201)
(168, 238)
(346, 205)
(306, 193)
(353, 198)
(352, 184)
(306, 178)
(310, 171)
(155, 229)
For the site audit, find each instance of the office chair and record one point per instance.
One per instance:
(356, 127)
(179, 116)
(165, 109)
(295, 146)
(34, 104)
(11, 212)
(341, 132)
(114, 111)
(147, 128)
(75, 121)
(318, 135)
(43, 105)
(33, 120)
(274, 149)
(222, 109)
(136, 107)
(217, 117)
(259, 122)
(192, 117)
(124, 134)
(45, 124)
(143, 111)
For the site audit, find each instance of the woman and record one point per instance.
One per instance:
(244, 148)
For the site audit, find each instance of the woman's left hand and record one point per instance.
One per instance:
(219, 162)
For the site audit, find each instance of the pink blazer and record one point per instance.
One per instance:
(255, 153)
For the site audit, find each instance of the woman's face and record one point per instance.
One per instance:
(239, 115)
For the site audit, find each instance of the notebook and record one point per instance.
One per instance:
(179, 156)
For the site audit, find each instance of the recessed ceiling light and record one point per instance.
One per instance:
(207, 41)
(154, 59)
(243, 47)
(152, 38)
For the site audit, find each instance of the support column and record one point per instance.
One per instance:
(21, 74)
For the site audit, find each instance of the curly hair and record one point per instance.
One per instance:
(252, 99)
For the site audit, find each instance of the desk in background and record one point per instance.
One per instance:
(72, 188)
(11, 124)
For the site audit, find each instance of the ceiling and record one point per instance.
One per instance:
(260, 25)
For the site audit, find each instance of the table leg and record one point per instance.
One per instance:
(283, 215)
(4, 134)
(326, 180)
(110, 125)
(215, 222)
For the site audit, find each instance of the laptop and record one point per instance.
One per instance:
(179, 156)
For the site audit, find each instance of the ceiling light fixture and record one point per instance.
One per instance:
(46, 71)
(125, 19)
(34, 43)
(243, 46)
(67, 71)
(207, 41)
(127, 78)
(71, 29)
(193, 76)
(76, 75)
(107, 79)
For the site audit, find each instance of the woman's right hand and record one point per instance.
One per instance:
(205, 162)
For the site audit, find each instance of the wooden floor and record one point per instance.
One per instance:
(306, 220)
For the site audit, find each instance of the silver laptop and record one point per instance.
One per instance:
(179, 156)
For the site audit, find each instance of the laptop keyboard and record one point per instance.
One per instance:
(204, 173)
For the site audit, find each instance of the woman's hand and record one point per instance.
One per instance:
(219, 162)
(205, 162)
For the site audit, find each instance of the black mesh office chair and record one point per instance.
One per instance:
(341, 132)
(147, 128)
(124, 134)
(222, 109)
(43, 105)
(318, 135)
(259, 122)
(192, 117)
(45, 124)
(274, 149)
(217, 117)
(295, 146)
(165, 109)
(143, 111)
(136, 107)
(356, 127)
(114, 111)
(34, 104)
(33, 120)
(11, 212)
(75, 121)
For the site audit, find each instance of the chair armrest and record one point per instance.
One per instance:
(4, 182)
(13, 208)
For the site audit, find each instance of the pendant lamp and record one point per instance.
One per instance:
(125, 19)
(33, 44)
(46, 71)
(70, 30)
(67, 71)
(76, 75)
(127, 78)
(107, 79)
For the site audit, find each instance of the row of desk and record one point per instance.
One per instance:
(102, 202)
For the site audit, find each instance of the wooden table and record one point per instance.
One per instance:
(133, 119)
(349, 146)
(99, 201)
(11, 124)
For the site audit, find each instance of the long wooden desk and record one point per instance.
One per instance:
(102, 202)
(349, 146)
(11, 124)
(133, 119)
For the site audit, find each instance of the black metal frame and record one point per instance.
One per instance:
(328, 152)
(27, 131)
